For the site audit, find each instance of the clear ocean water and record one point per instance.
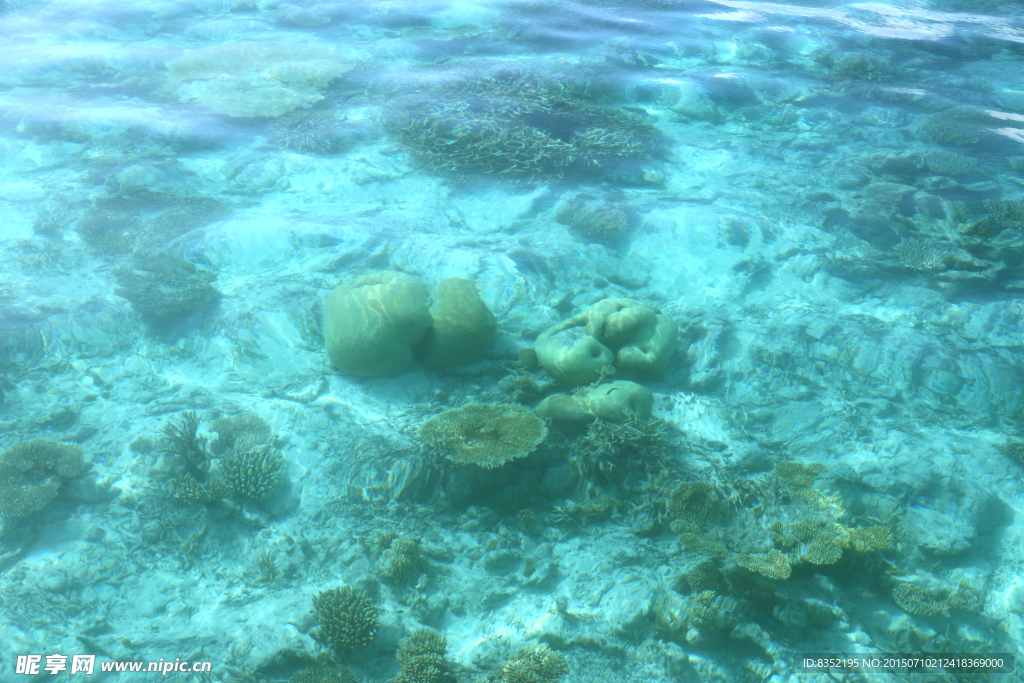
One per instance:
(513, 341)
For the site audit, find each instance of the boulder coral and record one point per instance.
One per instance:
(612, 402)
(375, 325)
(623, 333)
(463, 328)
(372, 323)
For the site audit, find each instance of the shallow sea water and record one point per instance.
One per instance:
(826, 199)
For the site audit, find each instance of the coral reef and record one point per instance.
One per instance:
(861, 66)
(693, 506)
(620, 332)
(32, 473)
(463, 328)
(421, 658)
(372, 323)
(513, 122)
(347, 617)
(484, 434)
(254, 473)
(247, 79)
(537, 664)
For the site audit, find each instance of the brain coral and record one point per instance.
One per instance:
(484, 434)
(255, 79)
(372, 323)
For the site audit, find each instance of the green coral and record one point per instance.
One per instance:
(32, 473)
(537, 664)
(347, 617)
(620, 402)
(484, 434)
(512, 122)
(421, 658)
(253, 473)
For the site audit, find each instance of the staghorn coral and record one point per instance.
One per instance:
(347, 618)
(693, 506)
(247, 79)
(921, 255)
(421, 658)
(959, 126)
(484, 434)
(253, 473)
(797, 475)
(181, 440)
(1004, 213)
(609, 451)
(944, 162)
(537, 664)
(141, 219)
(321, 132)
(513, 122)
(32, 473)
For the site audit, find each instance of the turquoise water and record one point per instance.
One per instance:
(657, 341)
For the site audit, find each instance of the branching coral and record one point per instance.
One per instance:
(421, 658)
(347, 617)
(324, 670)
(182, 440)
(253, 473)
(538, 664)
(484, 434)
